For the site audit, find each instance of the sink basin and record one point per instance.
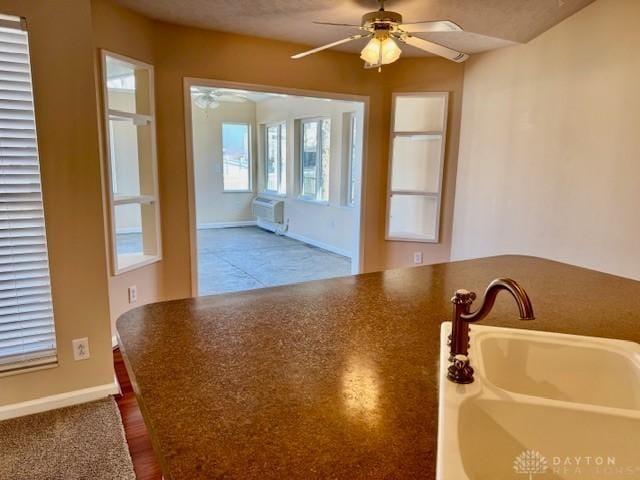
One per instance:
(501, 431)
(543, 405)
(560, 367)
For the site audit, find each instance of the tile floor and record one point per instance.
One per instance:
(233, 259)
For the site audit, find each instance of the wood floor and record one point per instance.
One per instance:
(144, 460)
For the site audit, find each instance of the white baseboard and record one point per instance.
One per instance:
(316, 243)
(245, 223)
(266, 225)
(114, 342)
(60, 400)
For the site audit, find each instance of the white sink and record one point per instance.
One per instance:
(562, 406)
(560, 367)
(493, 433)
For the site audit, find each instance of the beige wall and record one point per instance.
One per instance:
(121, 31)
(439, 75)
(68, 112)
(549, 154)
(64, 85)
(333, 225)
(213, 205)
(189, 52)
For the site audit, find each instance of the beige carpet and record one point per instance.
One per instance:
(80, 442)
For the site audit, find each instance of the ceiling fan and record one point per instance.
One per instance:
(383, 28)
(210, 98)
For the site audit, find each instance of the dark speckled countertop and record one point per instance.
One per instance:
(334, 378)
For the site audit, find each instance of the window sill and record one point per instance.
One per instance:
(30, 368)
(411, 238)
(321, 203)
(129, 262)
(266, 193)
(238, 191)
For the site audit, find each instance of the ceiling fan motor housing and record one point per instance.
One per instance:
(381, 19)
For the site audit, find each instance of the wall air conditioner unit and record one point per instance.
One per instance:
(268, 210)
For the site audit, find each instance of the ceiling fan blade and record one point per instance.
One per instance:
(435, 26)
(431, 47)
(329, 45)
(338, 24)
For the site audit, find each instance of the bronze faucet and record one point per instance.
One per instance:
(459, 370)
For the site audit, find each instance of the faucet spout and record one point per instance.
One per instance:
(490, 294)
(460, 371)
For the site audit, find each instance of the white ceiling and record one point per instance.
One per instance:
(256, 97)
(234, 92)
(497, 22)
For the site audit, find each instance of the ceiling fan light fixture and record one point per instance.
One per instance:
(371, 52)
(380, 51)
(205, 101)
(390, 51)
(382, 28)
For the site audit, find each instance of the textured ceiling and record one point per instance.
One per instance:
(496, 23)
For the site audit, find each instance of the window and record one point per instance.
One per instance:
(315, 150)
(236, 171)
(27, 336)
(132, 170)
(275, 158)
(416, 166)
(352, 153)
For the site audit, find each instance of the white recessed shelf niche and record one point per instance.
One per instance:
(416, 166)
(132, 165)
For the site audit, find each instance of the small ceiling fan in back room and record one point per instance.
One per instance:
(384, 28)
(211, 98)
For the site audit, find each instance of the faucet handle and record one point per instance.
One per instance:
(460, 361)
(459, 370)
(463, 297)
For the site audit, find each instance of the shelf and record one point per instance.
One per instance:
(419, 135)
(410, 237)
(415, 192)
(131, 261)
(135, 118)
(133, 199)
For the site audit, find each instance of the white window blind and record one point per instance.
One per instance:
(27, 336)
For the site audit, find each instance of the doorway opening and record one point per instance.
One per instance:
(275, 185)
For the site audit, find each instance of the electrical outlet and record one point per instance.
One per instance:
(133, 294)
(417, 258)
(81, 349)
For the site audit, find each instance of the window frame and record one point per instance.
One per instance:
(281, 162)
(114, 198)
(352, 155)
(40, 358)
(300, 171)
(437, 195)
(249, 156)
